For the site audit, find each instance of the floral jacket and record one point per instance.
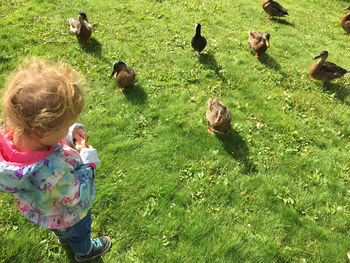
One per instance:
(53, 189)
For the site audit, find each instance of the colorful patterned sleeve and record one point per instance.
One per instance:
(12, 181)
(75, 184)
(77, 188)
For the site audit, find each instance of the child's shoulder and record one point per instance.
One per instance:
(66, 153)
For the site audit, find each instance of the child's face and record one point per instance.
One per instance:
(52, 137)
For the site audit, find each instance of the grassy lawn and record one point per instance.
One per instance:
(273, 189)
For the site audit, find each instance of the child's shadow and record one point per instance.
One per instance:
(209, 61)
(94, 48)
(135, 94)
(235, 146)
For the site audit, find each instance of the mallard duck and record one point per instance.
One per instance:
(218, 116)
(274, 9)
(324, 70)
(258, 41)
(345, 22)
(198, 41)
(123, 74)
(81, 27)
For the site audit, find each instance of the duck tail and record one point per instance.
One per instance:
(285, 13)
(347, 73)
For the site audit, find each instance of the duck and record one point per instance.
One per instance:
(198, 42)
(324, 70)
(81, 27)
(218, 117)
(345, 22)
(259, 42)
(273, 8)
(124, 74)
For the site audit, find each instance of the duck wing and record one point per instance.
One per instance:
(131, 73)
(333, 71)
(126, 79)
(74, 25)
(255, 38)
(326, 71)
(275, 9)
(85, 30)
(211, 116)
(345, 23)
(88, 25)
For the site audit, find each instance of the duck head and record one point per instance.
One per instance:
(267, 38)
(323, 55)
(83, 16)
(198, 28)
(117, 67)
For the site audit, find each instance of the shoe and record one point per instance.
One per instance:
(100, 246)
(62, 241)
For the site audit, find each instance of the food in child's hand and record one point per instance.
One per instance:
(80, 145)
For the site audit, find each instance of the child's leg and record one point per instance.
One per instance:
(78, 235)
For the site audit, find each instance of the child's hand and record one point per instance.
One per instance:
(83, 145)
(79, 136)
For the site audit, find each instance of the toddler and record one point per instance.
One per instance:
(52, 183)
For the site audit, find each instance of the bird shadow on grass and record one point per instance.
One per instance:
(135, 94)
(282, 21)
(71, 257)
(269, 61)
(94, 48)
(341, 92)
(235, 145)
(208, 60)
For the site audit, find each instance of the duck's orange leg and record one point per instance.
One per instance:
(210, 130)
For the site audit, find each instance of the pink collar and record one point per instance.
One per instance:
(10, 155)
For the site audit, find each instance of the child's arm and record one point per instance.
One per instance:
(76, 188)
(10, 184)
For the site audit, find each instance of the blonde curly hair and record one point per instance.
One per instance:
(41, 96)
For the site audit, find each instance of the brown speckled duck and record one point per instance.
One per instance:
(81, 27)
(345, 22)
(273, 8)
(324, 70)
(259, 42)
(218, 116)
(123, 74)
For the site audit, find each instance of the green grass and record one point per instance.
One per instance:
(275, 189)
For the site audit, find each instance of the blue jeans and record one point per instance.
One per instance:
(78, 235)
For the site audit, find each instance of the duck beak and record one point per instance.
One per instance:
(346, 8)
(267, 43)
(316, 57)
